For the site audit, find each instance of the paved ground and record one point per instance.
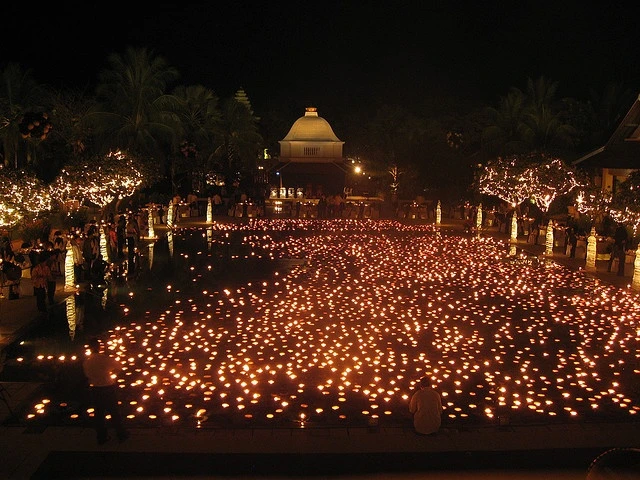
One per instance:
(538, 451)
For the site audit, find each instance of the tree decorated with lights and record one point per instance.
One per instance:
(549, 178)
(535, 176)
(21, 195)
(99, 181)
(593, 201)
(504, 177)
(625, 207)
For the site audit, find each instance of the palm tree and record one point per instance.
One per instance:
(201, 121)
(135, 113)
(507, 133)
(20, 94)
(239, 141)
(543, 117)
(609, 107)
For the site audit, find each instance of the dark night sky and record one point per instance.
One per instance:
(339, 54)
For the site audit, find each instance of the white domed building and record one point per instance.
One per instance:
(311, 162)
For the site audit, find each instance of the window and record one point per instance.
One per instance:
(311, 151)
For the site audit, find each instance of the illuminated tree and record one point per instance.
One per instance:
(505, 178)
(626, 202)
(593, 201)
(549, 178)
(99, 181)
(21, 195)
(520, 177)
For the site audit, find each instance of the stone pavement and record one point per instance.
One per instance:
(533, 451)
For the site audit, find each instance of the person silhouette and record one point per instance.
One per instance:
(426, 407)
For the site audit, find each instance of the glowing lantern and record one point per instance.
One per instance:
(152, 233)
(170, 216)
(438, 213)
(209, 211)
(70, 303)
(635, 284)
(591, 251)
(103, 243)
(479, 218)
(514, 228)
(549, 239)
(69, 273)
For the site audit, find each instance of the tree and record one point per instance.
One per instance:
(625, 207)
(201, 121)
(239, 141)
(20, 98)
(100, 181)
(392, 132)
(531, 121)
(22, 194)
(548, 133)
(507, 133)
(134, 112)
(517, 178)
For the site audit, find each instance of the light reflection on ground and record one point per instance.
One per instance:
(340, 336)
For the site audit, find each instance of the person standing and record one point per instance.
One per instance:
(133, 237)
(40, 277)
(121, 229)
(426, 407)
(101, 371)
(619, 251)
(51, 261)
(78, 259)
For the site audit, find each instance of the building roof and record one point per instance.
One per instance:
(622, 150)
(311, 128)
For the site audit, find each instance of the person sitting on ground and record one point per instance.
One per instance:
(426, 407)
